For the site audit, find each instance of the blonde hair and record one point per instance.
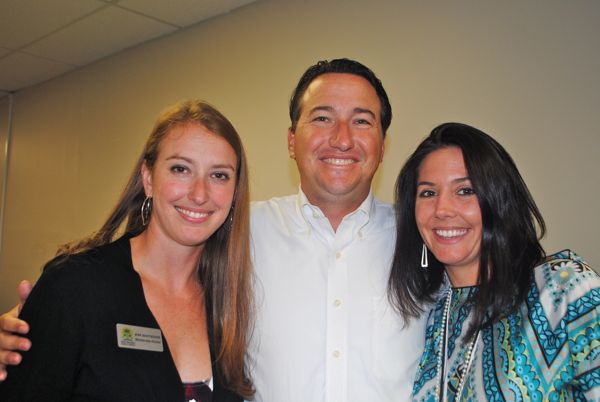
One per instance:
(225, 266)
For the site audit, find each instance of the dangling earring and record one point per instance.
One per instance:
(146, 210)
(230, 219)
(424, 262)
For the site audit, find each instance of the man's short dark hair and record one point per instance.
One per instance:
(345, 66)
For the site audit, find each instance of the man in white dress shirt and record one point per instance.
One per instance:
(325, 331)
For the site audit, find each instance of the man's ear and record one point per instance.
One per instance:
(146, 179)
(291, 143)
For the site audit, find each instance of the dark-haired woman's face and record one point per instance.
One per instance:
(448, 214)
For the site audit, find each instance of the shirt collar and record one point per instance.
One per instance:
(308, 210)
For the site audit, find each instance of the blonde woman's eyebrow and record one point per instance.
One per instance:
(188, 160)
(216, 166)
(224, 166)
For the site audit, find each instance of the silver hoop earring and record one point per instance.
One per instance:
(424, 262)
(146, 210)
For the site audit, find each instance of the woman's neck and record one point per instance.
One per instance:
(462, 277)
(161, 261)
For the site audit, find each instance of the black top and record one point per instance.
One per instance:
(73, 312)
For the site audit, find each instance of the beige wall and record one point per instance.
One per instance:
(4, 134)
(526, 72)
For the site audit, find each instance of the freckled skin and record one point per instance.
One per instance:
(192, 185)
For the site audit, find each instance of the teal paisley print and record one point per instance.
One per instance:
(548, 350)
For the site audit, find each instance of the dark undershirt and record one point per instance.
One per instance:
(197, 391)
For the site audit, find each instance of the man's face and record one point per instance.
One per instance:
(338, 143)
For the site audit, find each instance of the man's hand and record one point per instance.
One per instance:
(10, 329)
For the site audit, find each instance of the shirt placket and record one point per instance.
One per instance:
(338, 315)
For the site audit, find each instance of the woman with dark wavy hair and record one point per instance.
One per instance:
(162, 312)
(506, 321)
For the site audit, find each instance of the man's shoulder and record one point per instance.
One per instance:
(383, 207)
(275, 202)
(383, 215)
(274, 206)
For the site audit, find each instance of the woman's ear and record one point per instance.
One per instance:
(146, 179)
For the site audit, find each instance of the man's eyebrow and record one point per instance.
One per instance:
(324, 108)
(356, 110)
(367, 111)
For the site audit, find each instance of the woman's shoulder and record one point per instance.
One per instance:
(566, 269)
(565, 282)
(84, 266)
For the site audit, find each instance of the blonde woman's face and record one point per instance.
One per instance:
(192, 185)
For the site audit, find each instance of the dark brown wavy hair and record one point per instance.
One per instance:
(512, 227)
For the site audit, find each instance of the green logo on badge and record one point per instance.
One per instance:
(127, 334)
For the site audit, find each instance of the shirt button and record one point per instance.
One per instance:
(336, 354)
(337, 302)
(338, 254)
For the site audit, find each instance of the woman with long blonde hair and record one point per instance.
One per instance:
(162, 312)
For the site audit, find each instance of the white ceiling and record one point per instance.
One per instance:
(42, 39)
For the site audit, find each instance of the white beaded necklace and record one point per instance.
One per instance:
(441, 387)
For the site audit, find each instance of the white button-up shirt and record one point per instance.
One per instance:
(325, 331)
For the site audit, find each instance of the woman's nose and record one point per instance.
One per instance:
(199, 191)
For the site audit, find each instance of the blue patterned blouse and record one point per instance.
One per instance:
(549, 350)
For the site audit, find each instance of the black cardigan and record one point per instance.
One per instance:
(73, 311)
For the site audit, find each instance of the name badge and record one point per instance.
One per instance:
(140, 338)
